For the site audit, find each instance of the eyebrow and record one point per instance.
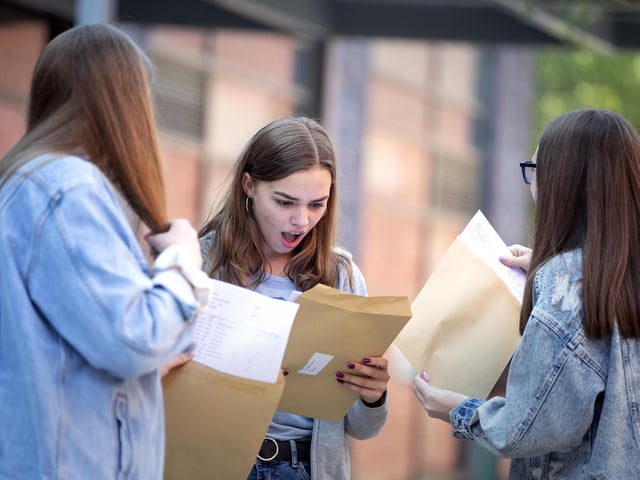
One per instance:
(289, 197)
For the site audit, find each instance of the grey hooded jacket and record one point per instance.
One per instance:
(329, 444)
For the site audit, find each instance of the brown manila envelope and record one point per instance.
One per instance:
(216, 420)
(464, 328)
(331, 329)
(215, 423)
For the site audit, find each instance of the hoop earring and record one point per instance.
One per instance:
(246, 205)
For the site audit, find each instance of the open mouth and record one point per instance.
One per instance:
(291, 238)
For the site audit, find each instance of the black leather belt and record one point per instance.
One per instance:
(273, 450)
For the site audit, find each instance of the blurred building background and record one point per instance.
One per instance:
(430, 105)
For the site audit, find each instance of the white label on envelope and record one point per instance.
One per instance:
(316, 363)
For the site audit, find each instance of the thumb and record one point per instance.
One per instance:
(516, 262)
(421, 383)
(508, 260)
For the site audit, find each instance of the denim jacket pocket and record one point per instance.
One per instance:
(123, 437)
(552, 466)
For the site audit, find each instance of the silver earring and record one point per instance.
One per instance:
(246, 205)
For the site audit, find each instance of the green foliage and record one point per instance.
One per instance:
(572, 79)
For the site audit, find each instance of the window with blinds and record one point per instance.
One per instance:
(180, 98)
(454, 185)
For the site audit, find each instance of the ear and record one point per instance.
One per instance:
(247, 185)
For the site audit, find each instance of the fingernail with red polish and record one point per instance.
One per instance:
(351, 365)
(340, 380)
(339, 374)
(285, 372)
(366, 360)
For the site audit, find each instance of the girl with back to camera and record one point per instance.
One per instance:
(84, 324)
(571, 404)
(274, 232)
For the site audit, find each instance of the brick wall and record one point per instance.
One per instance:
(20, 45)
(420, 107)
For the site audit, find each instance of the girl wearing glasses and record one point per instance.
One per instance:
(572, 396)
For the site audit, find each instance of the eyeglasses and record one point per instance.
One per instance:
(528, 171)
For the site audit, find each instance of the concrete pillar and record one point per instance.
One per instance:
(94, 11)
(507, 92)
(345, 107)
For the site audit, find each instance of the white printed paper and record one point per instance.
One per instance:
(243, 333)
(481, 238)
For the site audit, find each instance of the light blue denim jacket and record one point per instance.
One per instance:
(572, 404)
(83, 331)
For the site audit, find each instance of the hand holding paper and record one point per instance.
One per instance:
(219, 406)
(465, 319)
(519, 257)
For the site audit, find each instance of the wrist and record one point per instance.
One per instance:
(377, 403)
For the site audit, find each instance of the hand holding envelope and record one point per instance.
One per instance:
(331, 329)
(465, 319)
(219, 406)
(368, 379)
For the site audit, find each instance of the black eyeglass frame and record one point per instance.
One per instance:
(523, 168)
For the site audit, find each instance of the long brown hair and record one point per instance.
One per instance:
(90, 96)
(588, 181)
(279, 149)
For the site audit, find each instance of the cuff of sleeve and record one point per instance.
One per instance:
(177, 256)
(180, 288)
(462, 417)
(377, 403)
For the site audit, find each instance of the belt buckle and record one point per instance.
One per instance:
(274, 447)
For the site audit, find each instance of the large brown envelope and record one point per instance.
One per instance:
(464, 328)
(215, 423)
(348, 328)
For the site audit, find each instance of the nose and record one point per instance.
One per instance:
(300, 216)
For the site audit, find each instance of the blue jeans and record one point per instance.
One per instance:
(280, 471)
(284, 470)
